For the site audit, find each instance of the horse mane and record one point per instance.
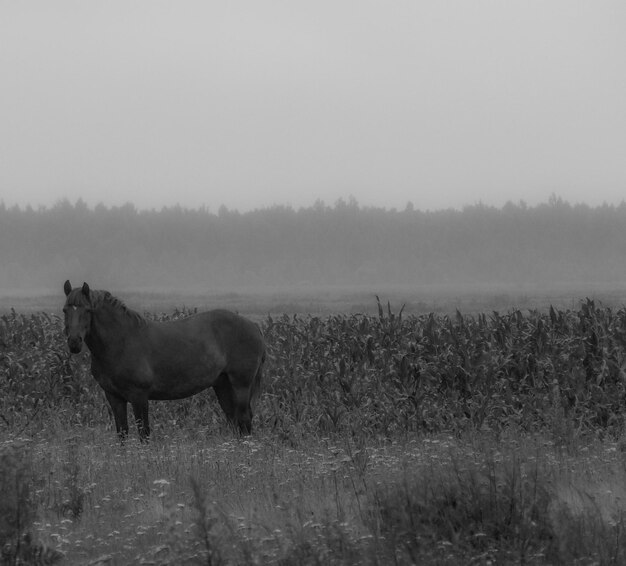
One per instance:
(104, 298)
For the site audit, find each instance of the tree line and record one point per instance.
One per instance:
(343, 244)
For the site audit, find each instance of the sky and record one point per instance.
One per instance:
(251, 104)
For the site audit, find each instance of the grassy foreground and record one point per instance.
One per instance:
(379, 439)
(197, 499)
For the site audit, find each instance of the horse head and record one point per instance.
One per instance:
(77, 311)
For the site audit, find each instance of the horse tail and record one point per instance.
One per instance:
(257, 380)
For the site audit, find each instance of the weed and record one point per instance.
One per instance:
(18, 509)
(205, 524)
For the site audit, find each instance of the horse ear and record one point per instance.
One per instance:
(85, 290)
(67, 287)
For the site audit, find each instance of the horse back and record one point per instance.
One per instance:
(230, 336)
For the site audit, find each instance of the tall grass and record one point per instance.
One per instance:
(386, 375)
(387, 439)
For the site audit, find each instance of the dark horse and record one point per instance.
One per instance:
(135, 360)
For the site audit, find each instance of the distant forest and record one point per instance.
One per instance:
(344, 244)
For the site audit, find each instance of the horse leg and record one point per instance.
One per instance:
(235, 402)
(243, 412)
(140, 409)
(224, 393)
(118, 406)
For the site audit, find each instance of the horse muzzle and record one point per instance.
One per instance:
(75, 344)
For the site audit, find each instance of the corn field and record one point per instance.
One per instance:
(382, 375)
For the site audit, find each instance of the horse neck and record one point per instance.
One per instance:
(109, 324)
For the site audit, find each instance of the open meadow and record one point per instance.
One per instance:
(381, 437)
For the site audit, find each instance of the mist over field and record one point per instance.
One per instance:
(444, 364)
(516, 247)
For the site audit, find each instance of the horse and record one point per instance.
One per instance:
(135, 360)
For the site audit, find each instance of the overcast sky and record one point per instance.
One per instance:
(250, 104)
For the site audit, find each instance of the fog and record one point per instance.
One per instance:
(517, 248)
(250, 104)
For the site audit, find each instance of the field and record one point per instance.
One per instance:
(390, 437)
(258, 302)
